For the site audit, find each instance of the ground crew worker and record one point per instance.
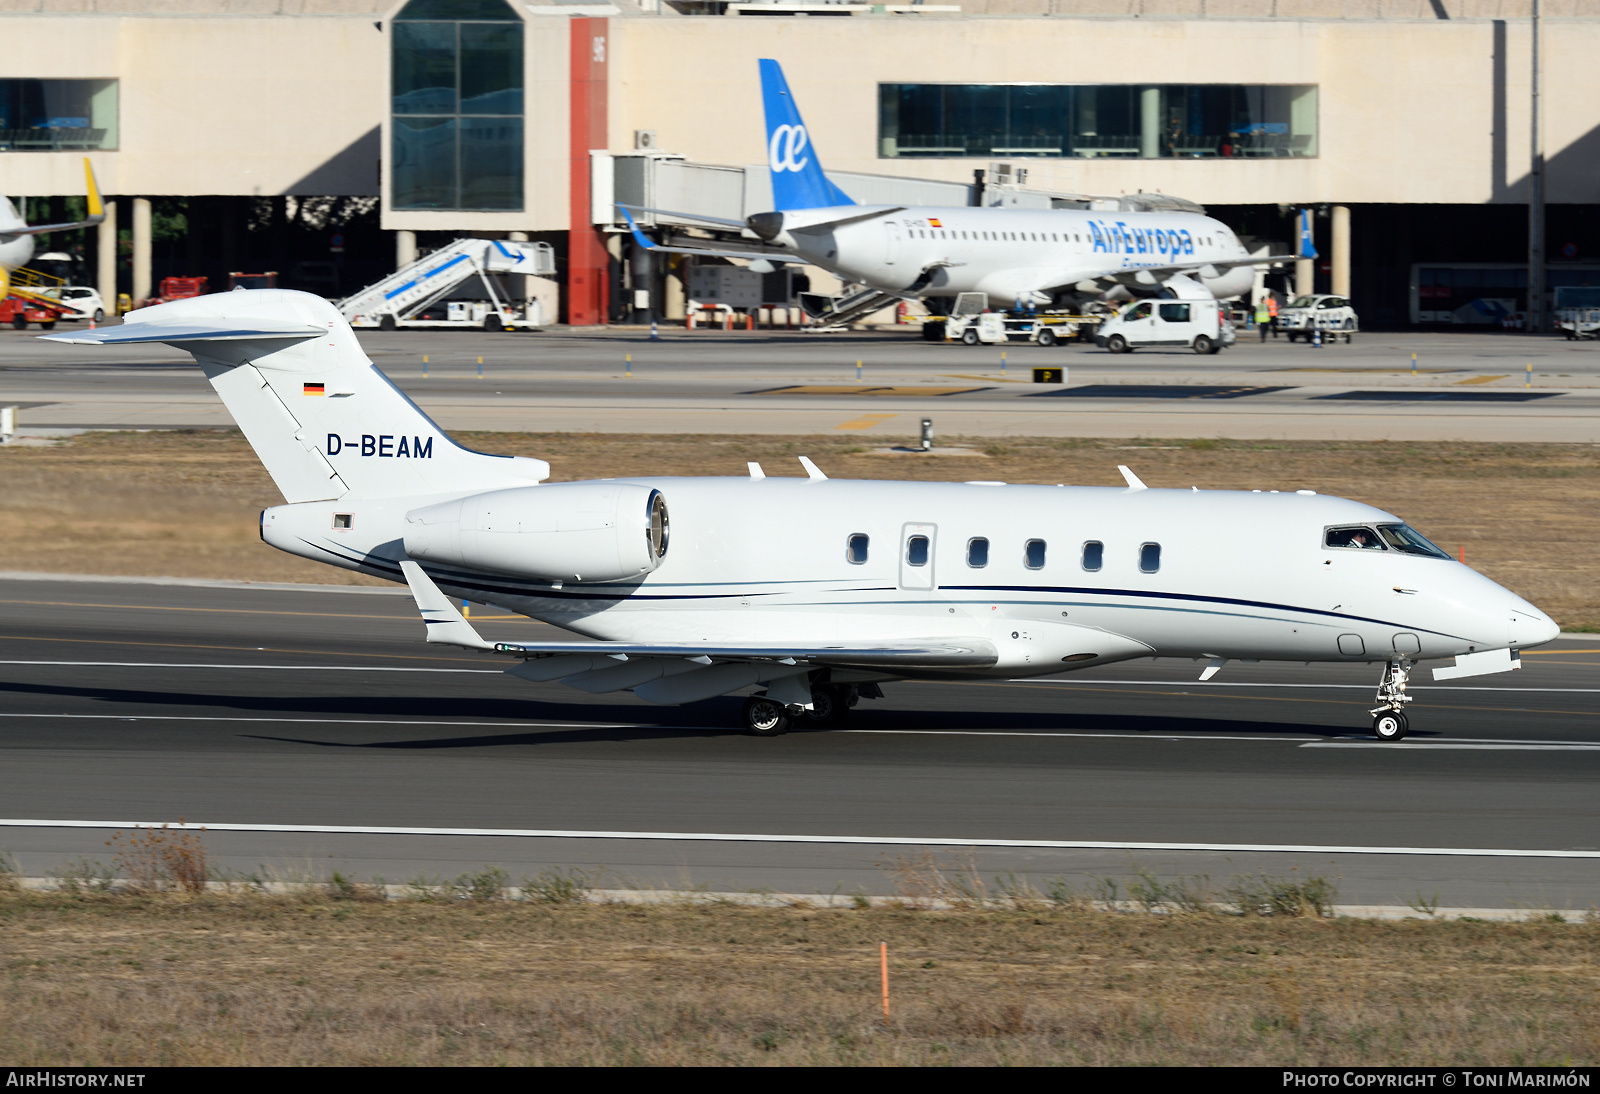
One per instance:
(1263, 316)
(1272, 313)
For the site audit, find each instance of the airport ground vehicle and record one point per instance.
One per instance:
(1306, 315)
(176, 288)
(459, 285)
(1577, 311)
(84, 302)
(1201, 325)
(971, 324)
(20, 309)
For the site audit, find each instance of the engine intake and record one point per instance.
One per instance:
(582, 531)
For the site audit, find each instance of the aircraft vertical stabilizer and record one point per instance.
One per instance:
(797, 178)
(324, 421)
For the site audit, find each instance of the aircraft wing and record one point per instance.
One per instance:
(1148, 275)
(448, 626)
(96, 211)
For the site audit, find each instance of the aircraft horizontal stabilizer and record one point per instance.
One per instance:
(135, 331)
(644, 241)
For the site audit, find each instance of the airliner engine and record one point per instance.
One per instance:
(586, 531)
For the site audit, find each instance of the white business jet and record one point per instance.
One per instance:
(16, 234)
(814, 590)
(1012, 255)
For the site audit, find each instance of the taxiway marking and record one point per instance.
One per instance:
(763, 837)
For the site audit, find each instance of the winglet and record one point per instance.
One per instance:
(445, 623)
(633, 226)
(96, 208)
(1132, 479)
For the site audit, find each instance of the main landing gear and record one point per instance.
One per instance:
(765, 717)
(1389, 716)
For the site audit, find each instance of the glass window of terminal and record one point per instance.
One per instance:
(1084, 121)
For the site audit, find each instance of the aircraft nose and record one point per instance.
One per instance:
(1532, 629)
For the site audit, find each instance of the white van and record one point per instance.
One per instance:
(1201, 325)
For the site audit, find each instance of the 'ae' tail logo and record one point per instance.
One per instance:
(786, 151)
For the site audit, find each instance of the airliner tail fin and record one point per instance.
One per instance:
(797, 178)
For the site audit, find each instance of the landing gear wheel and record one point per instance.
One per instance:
(387, 322)
(1390, 726)
(1202, 344)
(1118, 344)
(1047, 337)
(828, 705)
(765, 717)
(969, 337)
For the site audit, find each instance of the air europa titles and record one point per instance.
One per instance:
(1118, 237)
(384, 444)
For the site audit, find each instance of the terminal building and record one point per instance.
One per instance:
(330, 140)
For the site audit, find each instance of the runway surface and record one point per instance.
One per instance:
(1467, 386)
(128, 702)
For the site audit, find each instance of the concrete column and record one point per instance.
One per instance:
(1150, 122)
(1341, 250)
(674, 297)
(106, 272)
(141, 249)
(518, 285)
(1305, 277)
(405, 249)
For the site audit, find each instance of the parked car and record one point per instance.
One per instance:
(81, 301)
(1305, 315)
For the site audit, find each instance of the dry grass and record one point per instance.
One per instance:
(185, 503)
(128, 980)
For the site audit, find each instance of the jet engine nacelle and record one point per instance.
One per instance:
(582, 531)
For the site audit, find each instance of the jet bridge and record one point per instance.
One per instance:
(434, 290)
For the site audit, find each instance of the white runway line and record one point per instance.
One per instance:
(302, 668)
(871, 841)
(1064, 733)
(1479, 746)
(336, 721)
(1227, 684)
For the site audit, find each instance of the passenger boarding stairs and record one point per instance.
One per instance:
(395, 300)
(834, 313)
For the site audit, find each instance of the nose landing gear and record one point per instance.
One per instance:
(1389, 716)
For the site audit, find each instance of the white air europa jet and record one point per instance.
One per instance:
(814, 591)
(1012, 255)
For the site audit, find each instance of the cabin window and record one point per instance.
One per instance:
(855, 548)
(1094, 554)
(917, 551)
(1033, 554)
(1149, 557)
(978, 553)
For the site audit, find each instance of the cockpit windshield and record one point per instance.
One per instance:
(1404, 538)
(1382, 537)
